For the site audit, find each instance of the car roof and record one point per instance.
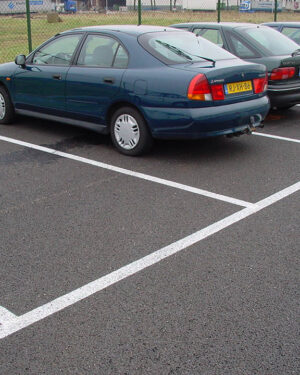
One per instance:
(282, 23)
(128, 29)
(223, 24)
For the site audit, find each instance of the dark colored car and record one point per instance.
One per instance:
(136, 83)
(289, 29)
(260, 44)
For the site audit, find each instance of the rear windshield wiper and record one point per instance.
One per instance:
(183, 53)
(296, 53)
(205, 58)
(174, 49)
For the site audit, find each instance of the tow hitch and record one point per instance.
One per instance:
(256, 120)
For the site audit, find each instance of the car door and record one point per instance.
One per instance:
(94, 81)
(40, 85)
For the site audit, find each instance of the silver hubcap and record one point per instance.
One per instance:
(127, 132)
(2, 107)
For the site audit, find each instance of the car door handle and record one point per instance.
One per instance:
(56, 76)
(109, 80)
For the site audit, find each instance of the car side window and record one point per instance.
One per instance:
(240, 49)
(288, 31)
(213, 35)
(121, 58)
(103, 52)
(296, 36)
(57, 52)
(292, 32)
(198, 31)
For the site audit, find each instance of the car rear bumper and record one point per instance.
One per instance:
(193, 123)
(284, 95)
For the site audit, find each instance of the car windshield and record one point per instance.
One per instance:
(182, 47)
(270, 39)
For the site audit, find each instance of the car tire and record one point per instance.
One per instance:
(129, 132)
(7, 111)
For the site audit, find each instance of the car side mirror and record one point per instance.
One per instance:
(20, 60)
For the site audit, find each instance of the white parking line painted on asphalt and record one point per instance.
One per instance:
(277, 137)
(17, 323)
(6, 315)
(128, 172)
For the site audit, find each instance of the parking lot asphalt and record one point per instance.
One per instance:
(225, 303)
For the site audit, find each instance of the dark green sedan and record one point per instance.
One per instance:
(136, 83)
(260, 44)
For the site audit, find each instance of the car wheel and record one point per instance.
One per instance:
(7, 111)
(129, 132)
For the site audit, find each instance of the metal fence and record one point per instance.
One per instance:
(24, 24)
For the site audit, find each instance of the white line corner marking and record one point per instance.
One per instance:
(6, 316)
(11, 323)
(128, 172)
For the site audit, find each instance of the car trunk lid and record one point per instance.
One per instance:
(236, 76)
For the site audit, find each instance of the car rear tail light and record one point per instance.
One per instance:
(282, 73)
(260, 84)
(200, 89)
(217, 92)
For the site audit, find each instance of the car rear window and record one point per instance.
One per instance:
(271, 40)
(181, 47)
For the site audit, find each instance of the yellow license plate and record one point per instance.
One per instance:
(236, 87)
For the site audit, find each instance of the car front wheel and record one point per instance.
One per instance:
(129, 132)
(6, 107)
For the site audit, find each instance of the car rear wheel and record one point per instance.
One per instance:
(129, 132)
(6, 107)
